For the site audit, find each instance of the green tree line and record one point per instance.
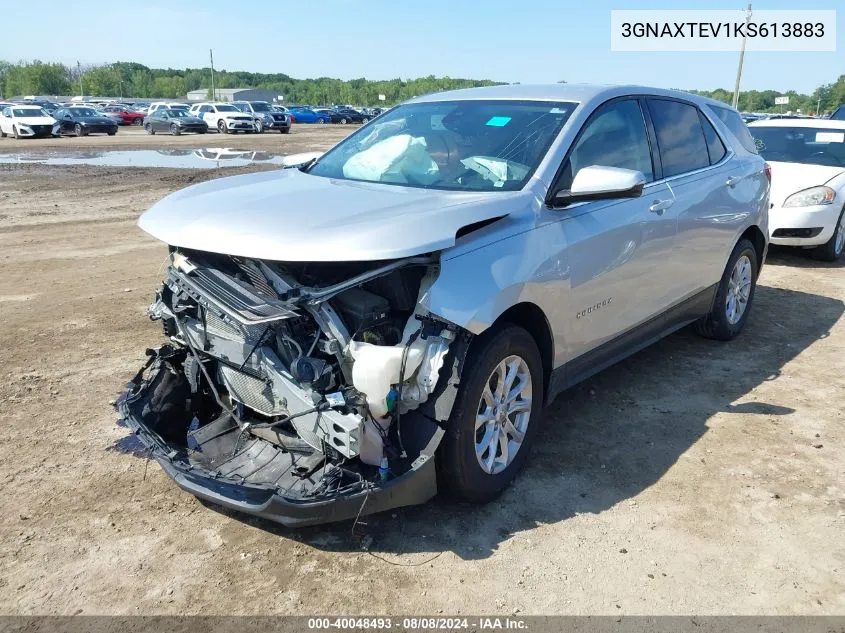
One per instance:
(129, 79)
(825, 98)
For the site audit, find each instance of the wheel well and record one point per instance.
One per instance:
(756, 237)
(532, 319)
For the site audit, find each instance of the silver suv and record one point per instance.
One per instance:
(367, 326)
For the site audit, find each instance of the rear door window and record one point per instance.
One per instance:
(615, 136)
(680, 139)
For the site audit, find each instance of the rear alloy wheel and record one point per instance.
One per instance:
(495, 417)
(834, 247)
(734, 295)
(174, 129)
(138, 122)
(149, 129)
(221, 127)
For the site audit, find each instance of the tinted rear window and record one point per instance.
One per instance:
(680, 138)
(736, 125)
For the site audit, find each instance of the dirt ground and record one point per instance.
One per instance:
(693, 478)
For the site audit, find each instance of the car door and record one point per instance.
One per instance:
(698, 168)
(4, 120)
(618, 249)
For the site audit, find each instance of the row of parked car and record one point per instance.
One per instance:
(31, 119)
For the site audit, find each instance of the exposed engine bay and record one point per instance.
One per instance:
(296, 376)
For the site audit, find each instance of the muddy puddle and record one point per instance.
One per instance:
(209, 158)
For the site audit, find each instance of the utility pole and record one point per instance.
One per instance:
(741, 56)
(819, 107)
(79, 70)
(213, 93)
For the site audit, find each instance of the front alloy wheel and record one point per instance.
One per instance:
(504, 412)
(495, 417)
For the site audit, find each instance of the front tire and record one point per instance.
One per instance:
(149, 129)
(221, 128)
(15, 131)
(78, 131)
(495, 417)
(259, 127)
(174, 129)
(734, 296)
(834, 247)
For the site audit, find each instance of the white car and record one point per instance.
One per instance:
(807, 157)
(23, 121)
(168, 105)
(224, 117)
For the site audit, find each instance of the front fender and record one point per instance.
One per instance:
(476, 287)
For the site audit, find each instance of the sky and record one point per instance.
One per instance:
(528, 41)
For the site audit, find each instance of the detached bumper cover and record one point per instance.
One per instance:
(416, 486)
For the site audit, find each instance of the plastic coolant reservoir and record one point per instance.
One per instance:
(377, 367)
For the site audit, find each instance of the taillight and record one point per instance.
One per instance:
(767, 169)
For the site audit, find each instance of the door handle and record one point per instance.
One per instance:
(732, 181)
(659, 206)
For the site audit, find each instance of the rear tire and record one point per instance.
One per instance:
(734, 296)
(834, 247)
(464, 447)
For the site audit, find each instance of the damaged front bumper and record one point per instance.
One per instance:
(261, 479)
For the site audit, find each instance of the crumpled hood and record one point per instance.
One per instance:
(789, 178)
(287, 215)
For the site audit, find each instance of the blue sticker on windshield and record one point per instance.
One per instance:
(499, 121)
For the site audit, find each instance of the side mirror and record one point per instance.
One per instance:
(601, 183)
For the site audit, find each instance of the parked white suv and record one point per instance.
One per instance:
(224, 117)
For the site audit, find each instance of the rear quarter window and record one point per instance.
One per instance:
(736, 125)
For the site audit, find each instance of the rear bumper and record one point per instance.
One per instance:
(803, 226)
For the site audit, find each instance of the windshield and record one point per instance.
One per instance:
(177, 114)
(84, 112)
(24, 112)
(257, 106)
(458, 145)
(226, 108)
(807, 145)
